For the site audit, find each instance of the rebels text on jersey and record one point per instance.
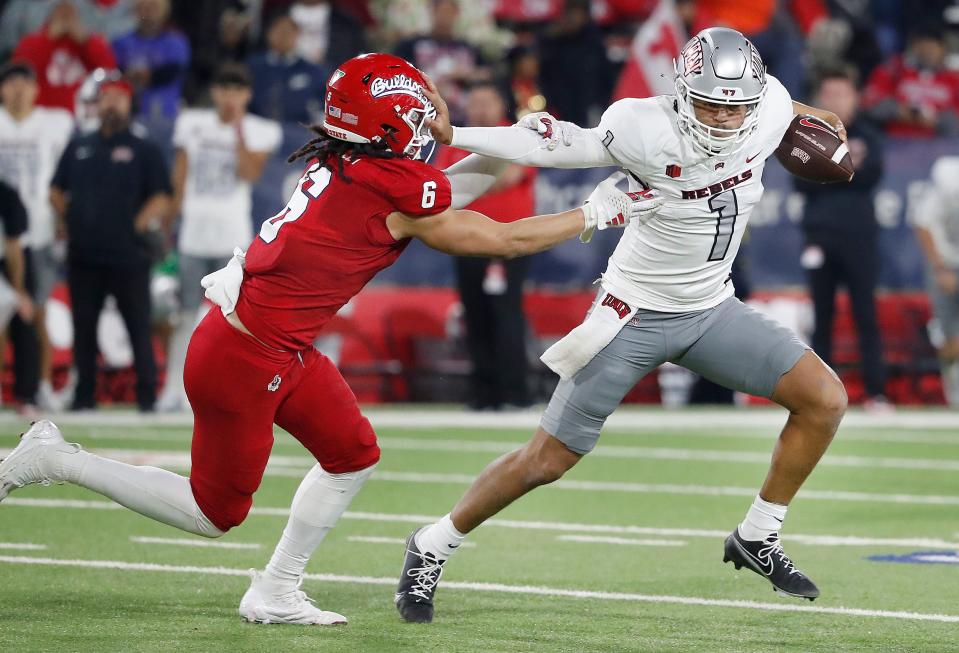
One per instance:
(330, 240)
(680, 259)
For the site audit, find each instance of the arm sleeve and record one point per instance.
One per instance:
(417, 189)
(472, 177)
(525, 147)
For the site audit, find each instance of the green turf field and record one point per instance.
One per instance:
(623, 555)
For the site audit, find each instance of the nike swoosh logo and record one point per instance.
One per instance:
(750, 158)
(454, 546)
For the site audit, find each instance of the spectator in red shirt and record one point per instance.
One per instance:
(492, 289)
(63, 52)
(914, 94)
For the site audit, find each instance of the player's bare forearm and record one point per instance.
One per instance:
(468, 233)
(799, 109)
(532, 235)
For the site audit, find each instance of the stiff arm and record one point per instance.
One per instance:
(526, 147)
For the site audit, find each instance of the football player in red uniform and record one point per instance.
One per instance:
(251, 364)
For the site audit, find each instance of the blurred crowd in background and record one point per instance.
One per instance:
(82, 78)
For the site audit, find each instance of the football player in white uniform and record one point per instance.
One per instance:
(665, 296)
(937, 230)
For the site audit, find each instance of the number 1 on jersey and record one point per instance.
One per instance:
(727, 206)
(312, 183)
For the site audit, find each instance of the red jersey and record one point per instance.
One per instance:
(330, 240)
(62, 64)
(926, 91)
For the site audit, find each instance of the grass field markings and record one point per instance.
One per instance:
(184, 541)
(22, 546)
(527, 590)
(495, 446)
(181, 458)
(374, 539)
(180, 462)
(611, 529)
(630, 419)
(669, 453)
(599, 539)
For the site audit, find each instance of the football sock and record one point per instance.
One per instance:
(318, 504)
(150, 491)
(441, 539)
(762, 519)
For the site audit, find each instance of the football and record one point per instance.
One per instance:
(812, 150)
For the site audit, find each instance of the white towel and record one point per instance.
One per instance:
(223, 286)
(573, 352)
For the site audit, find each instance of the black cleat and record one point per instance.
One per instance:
(768, 559)
(421, 575)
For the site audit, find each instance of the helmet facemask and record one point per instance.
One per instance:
(719, 66)
(715, 141)
(417, 119)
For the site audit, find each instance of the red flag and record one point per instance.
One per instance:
(649, 69)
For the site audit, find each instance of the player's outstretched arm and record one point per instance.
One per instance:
(583, 147)
(472, 177)
(468, 233)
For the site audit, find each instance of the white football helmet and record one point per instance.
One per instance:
(719, 65)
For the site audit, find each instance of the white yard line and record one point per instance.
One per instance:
(527, 590)
(627, 541)
(182, 458)
(611, 529)
(297, 466)
(22, 546)
(669, 453)
(940, 559)
(184, 541)
(629, 418)
(374, 539)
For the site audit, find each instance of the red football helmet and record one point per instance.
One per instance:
(376, 98)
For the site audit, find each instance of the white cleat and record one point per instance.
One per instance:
(267, 602)
(32, 460)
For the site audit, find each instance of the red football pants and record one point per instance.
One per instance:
(239, 388)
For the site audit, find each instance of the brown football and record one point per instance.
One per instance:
(811, 150)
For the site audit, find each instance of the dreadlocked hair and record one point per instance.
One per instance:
(323, 147)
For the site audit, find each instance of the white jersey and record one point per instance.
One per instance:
(29, 153)
(938, 212)
(217, 204)
(680, 259)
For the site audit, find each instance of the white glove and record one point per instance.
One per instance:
(552, 130)
(607, 206)
(223, 286)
